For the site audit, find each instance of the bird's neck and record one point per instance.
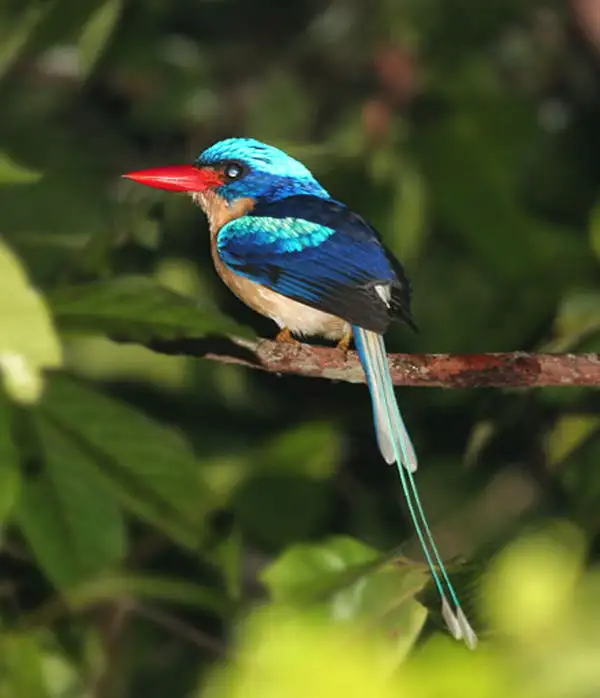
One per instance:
(219, 211)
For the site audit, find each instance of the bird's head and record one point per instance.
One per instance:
(235, 169)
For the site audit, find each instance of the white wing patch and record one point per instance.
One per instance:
(384, 292)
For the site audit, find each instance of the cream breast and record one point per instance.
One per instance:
(287, 313)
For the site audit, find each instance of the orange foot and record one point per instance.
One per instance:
(344, 343)
(286, 336)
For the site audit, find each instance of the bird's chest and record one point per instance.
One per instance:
(299, 318)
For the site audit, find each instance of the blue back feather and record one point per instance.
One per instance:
(315, 251)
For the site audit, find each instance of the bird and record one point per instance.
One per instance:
(300, 257)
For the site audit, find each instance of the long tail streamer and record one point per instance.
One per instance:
(396, 447)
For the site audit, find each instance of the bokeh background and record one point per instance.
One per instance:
(149, 503)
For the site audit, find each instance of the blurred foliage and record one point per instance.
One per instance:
(170, 526)
(543, 612)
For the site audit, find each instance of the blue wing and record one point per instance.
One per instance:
(319, 253)
(395, 442)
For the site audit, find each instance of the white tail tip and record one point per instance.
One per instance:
(458, 625)
(468, 633)
(451, 620)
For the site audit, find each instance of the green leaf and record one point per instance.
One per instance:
(13, 173)
(386, 604)
(480, 437)
(570, 432)
(228, 557)
(311, 449)
(9, 463)
(594, 226)
(22, 668)
(149, 588)
(69, 517)
(577, 318)
(306, 572)
(35, 665)
(136, 308)
(530, 587)
(14, 37)
(408, 212)
(286, 653)
(353, 582)
(28, 342)
(150, 467)
(96, 34)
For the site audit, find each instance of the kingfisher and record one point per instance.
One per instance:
(296, 255)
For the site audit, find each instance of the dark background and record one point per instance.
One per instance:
(466, 132)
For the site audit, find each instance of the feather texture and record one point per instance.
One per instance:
(396, 446)
(318, 252)
(270, 174)
(292, 253)
(392, 437)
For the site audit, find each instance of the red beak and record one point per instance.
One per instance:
(178, 178)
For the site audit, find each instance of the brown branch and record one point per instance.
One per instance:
(499, 370)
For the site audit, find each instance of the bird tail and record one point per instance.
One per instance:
(396, 447)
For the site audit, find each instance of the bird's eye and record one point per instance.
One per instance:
(233, 171)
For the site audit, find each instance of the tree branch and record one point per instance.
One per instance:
(515, 369)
